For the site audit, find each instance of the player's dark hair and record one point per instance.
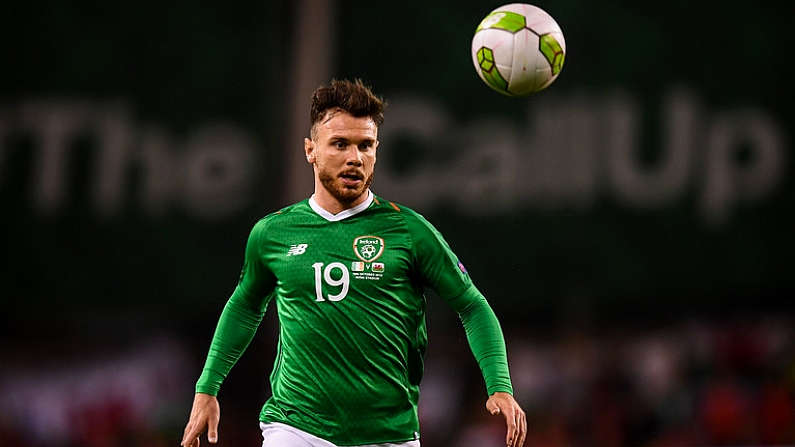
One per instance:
(351, 96)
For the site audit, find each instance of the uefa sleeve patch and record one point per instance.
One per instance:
(462, 268)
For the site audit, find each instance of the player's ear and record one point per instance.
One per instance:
(309, 149)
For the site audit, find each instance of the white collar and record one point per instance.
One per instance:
(344, 214)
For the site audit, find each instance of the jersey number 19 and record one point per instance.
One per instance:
(325, 275)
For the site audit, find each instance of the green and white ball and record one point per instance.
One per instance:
(518, 49)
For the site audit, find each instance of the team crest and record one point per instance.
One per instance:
(368, 248)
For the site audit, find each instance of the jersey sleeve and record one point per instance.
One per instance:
(435, 261)
(485, 338)
(240, 317)
(443, 272)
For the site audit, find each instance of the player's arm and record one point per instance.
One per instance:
(441, 270)
(487, 343)
(444, 273)
(485, 338)
(236, 328)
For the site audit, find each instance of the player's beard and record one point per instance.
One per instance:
(339, 191)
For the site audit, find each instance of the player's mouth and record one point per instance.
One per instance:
(351, 178)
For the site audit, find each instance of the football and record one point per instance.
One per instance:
(518, 49)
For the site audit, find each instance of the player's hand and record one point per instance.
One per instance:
(205, 415)
(515, 418)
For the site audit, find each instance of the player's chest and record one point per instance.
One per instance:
(334, 258)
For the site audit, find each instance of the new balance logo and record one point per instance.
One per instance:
(297, 249)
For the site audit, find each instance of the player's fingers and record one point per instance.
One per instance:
(522, 429)
(187, 441)
(190, 440)
(517, 428)
(212, 430)
(193, 430)
(510, 437)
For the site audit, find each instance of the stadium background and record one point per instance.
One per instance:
(631, 225)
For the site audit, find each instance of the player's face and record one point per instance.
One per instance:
(343, 152)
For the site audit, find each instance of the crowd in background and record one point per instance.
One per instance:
(701, 382)
(726, 382)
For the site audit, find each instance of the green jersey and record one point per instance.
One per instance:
(349, 292)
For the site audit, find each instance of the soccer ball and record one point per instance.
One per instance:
(518, 49)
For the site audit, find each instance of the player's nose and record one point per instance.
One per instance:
(354, 157)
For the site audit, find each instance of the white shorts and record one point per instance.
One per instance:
(276, 434)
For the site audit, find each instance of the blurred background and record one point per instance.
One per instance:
(631, 225)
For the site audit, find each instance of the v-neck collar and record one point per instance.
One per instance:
(344, 214)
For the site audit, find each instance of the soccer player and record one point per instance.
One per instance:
(347, 271)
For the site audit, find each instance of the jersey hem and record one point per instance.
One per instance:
(339, 442)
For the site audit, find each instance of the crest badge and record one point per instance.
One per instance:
(368, 248)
